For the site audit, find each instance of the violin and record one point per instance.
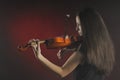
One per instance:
(57, 42)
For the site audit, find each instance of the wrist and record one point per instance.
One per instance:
(39, 56)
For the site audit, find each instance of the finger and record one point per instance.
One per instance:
(37, 40)
(59, 54)
(33, 43)
(38, 45)
(63, 51)
(30, 41)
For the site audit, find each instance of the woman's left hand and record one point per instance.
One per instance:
(35, 46)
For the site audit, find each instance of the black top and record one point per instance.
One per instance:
(88, 71)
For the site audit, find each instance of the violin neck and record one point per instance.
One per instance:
(33, 43)
(42, 41)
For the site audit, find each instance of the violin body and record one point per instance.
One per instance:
(58, 42)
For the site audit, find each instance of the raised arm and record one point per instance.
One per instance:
(72, 62)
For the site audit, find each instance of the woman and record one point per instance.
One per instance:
(93, 58)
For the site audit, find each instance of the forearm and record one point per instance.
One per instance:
(67, 67)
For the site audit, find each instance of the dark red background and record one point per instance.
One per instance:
(25, 20)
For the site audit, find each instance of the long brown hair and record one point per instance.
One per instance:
(97, 44)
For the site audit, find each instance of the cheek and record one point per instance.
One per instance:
(76, 28)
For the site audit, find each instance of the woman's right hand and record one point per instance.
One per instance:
(63, 51)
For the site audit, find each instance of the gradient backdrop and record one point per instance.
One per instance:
(23, 20)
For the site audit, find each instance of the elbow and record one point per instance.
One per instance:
(63, 74)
